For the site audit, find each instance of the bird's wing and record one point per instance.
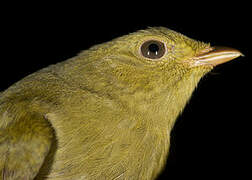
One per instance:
(25, 140)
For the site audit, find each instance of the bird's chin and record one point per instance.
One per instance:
(214, 56)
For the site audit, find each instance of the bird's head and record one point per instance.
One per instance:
(156, 58)
(156, 66)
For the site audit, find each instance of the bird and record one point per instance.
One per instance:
(106, 113)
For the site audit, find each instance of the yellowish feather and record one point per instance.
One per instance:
(105, 114)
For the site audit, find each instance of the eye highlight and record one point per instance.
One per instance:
(153, 49)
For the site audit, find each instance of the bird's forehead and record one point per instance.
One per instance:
(159, 30)
(157, 33)
(175, 38)
(164, 32)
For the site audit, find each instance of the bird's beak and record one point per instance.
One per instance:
(216, 55)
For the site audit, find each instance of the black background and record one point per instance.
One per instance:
(212, 138)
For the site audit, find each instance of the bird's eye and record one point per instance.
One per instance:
(153, 49)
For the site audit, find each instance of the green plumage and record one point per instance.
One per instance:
(104, 114)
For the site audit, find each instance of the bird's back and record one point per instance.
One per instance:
(94, 136)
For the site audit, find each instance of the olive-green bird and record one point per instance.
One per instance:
(106, 113)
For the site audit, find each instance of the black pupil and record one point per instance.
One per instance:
(153, 48)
